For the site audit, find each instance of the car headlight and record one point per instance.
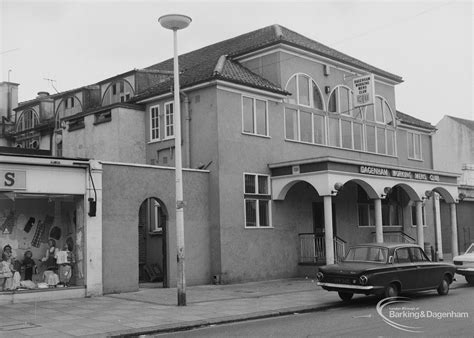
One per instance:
(319, 276)
(363, 280)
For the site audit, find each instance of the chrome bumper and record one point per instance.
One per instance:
(347, 286)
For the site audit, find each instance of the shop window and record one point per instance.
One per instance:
(154, 123)
(169, 120)
(257, 200)
(414, 146)
(45, 238)
(254, 116)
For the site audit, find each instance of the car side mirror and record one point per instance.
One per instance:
(390, 259)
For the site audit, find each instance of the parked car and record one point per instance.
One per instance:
(465, 264)
(385, 269)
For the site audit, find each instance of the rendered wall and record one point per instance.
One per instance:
(120, 223)
(120, 139)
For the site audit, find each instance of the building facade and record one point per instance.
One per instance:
(284, 168)
(453, 146)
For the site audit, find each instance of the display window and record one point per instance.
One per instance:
(41, 241)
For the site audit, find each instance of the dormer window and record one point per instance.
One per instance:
(119, 91)
(69, 102)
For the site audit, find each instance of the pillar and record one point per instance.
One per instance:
(454, 230)
(328, 232)
(439, 238)
(419, 223)
(378, 220)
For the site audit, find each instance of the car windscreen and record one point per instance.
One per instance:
(470, 250)
(367, 254)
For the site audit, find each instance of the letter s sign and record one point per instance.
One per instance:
(9, 179)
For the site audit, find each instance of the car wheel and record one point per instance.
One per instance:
(345, 296)
(470, 279)
(391, 291)
(443, 287)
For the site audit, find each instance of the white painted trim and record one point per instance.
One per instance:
(375, 164)
(165, 126)
(295, 51)
(153, 140)
(254, 105)
(228, 86)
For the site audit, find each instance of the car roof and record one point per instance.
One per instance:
(388, 245)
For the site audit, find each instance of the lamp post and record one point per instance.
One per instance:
(176, 22)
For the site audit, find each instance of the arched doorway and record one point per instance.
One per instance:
(152, 244)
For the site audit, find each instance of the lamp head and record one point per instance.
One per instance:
(337, 187)
(174, 21)
(461, 196)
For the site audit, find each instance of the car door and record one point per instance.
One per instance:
(405, 270)
(427, 272)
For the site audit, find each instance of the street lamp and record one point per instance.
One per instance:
(176, 22)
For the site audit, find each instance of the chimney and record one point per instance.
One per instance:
(42, 94)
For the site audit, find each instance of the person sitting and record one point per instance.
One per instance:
(29, 265)
(6, 274)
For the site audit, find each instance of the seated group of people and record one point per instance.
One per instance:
(55, 268)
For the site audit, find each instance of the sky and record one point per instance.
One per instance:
(80, 42)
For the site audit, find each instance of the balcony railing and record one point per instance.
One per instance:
(313, 249)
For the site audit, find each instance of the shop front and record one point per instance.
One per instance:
(336, 203)
(50, 228)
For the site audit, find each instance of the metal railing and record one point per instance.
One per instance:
(313, 248)
(395, 237)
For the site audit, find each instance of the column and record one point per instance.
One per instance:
(419, 223)
(454, 230)
(378, 220)
(439, 238)
(328, 232)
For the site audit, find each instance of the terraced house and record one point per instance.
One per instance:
(284, 168)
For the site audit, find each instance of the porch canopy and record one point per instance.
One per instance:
(329, 174)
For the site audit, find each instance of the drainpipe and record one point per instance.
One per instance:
(187, 133)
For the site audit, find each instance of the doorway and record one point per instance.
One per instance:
(152, 243)
(318, 219)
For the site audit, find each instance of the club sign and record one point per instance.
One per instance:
(398, 173)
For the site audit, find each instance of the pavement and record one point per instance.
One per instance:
(154, 310)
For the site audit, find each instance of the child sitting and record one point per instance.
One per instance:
(29, 265)
(6, 274)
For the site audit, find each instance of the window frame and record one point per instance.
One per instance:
(166, 125)
(311, 85)
(418, 135)
(257, 197)
(157, 118)
(254, 116)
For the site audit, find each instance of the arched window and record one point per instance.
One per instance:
(27, 120)
(118, 91)
(305, 92)
(380, 134)
(305, 123)
(340, 101)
